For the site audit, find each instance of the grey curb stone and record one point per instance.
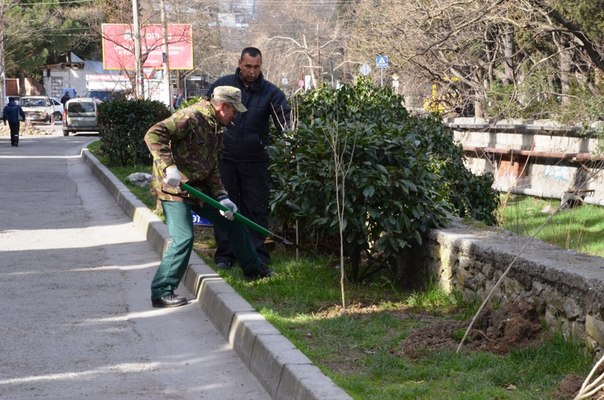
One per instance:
(307, 382)
(244, 331)
(269, 356)
(284, 371)
(221, 302)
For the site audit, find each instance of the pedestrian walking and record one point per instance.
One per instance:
(13, 114)
(66, 97)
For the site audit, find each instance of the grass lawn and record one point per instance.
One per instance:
(365, 349)
(578, 228)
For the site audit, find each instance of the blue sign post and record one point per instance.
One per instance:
(381, 62)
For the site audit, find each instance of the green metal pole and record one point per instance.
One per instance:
(246, 221)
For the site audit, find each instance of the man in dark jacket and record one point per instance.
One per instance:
(13, 113)
(244, 164)
(66, 97)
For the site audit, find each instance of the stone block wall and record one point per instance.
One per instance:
(566, 287)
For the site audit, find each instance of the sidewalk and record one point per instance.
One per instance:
(76, 316)
(284, 371)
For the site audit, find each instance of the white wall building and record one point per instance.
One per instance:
(89, 75)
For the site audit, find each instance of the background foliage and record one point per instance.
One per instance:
(404, 175)
(124, 124)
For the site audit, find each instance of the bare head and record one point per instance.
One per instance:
(250, 65)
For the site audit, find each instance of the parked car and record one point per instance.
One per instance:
(106, 95)
(38, 109)
(58, 108)
(80, 115)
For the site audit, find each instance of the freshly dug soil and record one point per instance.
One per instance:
(513, 325)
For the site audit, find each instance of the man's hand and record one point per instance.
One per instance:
(172, 176)
(225, 201)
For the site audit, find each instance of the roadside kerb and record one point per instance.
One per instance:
(284, 371)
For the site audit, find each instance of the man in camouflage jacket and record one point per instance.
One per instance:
(186, 147)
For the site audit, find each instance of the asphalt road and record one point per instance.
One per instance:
(77, 322)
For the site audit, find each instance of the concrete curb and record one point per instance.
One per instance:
(284, 371)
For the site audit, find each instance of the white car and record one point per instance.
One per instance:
(41, 109)
(57, 114)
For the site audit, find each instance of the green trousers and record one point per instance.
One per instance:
(176, 257)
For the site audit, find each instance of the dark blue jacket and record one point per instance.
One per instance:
(247, 139)
(13, 112)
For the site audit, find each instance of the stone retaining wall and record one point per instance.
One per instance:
(566, 287)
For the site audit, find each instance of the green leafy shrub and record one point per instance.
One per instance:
(123, 127)
(190, 102)
(402, 175)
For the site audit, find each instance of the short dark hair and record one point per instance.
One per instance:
(251, 51)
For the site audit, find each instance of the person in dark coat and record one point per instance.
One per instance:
(244, 164)
(13, 114)
(66, 97)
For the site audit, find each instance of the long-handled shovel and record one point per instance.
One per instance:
(260, 229)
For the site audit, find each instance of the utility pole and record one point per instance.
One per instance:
(2, 64)
(138, 87)
(166, 54)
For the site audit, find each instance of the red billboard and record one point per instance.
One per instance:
(118, 46)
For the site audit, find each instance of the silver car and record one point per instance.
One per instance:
(80, 115)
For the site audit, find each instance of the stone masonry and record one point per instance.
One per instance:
(566, 287)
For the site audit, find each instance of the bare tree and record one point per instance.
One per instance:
(299, 38)
(466, 46)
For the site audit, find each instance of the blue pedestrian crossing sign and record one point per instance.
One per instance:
(381, 61)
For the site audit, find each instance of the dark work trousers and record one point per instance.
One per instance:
(247, 184)
(176, 257)
(14, 132)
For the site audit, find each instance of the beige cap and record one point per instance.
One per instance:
(229, 94)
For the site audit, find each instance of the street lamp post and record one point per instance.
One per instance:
(165, 55)
(138, 89)
(2, 65)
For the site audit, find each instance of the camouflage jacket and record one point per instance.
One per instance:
(191, 139)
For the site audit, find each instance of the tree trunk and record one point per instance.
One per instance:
(22, 91)
(509, 49)
(478, 109)
(565, 67)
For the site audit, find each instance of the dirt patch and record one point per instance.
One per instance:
(25, 130)
(514, 325)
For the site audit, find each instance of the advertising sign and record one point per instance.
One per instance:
(118, 46)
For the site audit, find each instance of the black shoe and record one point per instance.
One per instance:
(262, 272)
(224, 265)
(171, 300)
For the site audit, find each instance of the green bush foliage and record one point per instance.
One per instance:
(123, 127)
(403, 175)
(190, 102)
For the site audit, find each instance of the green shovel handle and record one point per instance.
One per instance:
(216, 204)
